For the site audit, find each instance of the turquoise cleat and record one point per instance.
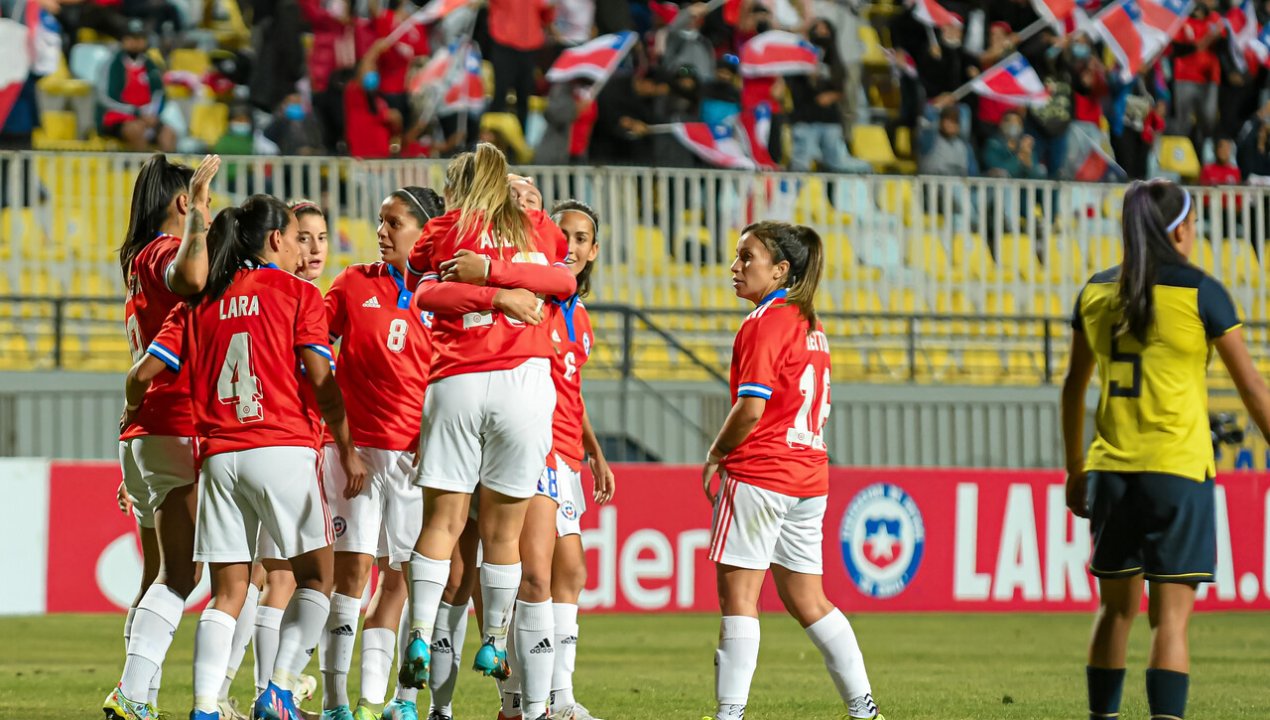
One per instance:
(417, 664)
(365, 711)
(492, 662)
(401, 710)
(275, 704)
(339, 713)
(118, 707)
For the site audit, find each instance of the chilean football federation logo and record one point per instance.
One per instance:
(882, 538)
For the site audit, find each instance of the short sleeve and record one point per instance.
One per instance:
(1216, 309)
(336, 302)
(1078, 322)
(154, 262)
(757, 356)
(420, 263)
(311, 330)
(169, 344)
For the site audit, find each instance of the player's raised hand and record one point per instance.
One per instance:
(201, 183)
(1077, 499)
(466, 267)
(605, 481)
(355, 471)
(519, 304)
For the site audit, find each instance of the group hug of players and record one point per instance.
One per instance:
(449, 452)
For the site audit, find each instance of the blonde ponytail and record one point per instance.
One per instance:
(476, 184)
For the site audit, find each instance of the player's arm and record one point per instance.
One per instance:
(1080, 368)
(605, 481)
(473, 269)
(317, 368)
(461, 298)
(1251, 386)
(741, 420)
(187, 275)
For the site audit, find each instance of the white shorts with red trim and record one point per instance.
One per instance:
(384, 519)
(563, 484)
(755, 528)
(272, 490)
(153, 465)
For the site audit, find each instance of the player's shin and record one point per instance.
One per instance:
(833, 637)
(213, 643)
(535, 627)
(447, 646)
(302, 624)
(378, 645)
(336, 656)
(566, 641)
(734, 664)
(243, 627)
(155, 622)
(265, 639)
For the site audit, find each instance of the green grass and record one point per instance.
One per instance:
(931, 666)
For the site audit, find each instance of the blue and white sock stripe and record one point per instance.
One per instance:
(169, 358)
(754, 390)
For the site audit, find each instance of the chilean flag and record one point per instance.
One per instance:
(932, 14)
(777, 53)
(1247, 38)
(456, 88)
(1013, 81)
(756, 131)
(594, 60)
(428, 14)
(18, 34)
(1138, 30)
(1097, 167)
(1056, 12)
(716, 145)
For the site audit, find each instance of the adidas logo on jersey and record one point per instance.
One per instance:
(373, 302)
(343, 630)
(442, 646)
(544, 646)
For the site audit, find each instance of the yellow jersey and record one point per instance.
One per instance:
(1153, 409)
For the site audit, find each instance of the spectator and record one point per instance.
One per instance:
(991, 110)
(844, 16)
(574, 21)
(568, 104)
(334, 48)
(161, 15)
(685, 46)
(517, 32)
(1134, 122)
(395, 61)
(1196, 75)
(816, 119)
(372, 128)
(1009, 153)
(294, 129)
(1089, 85)
(279, 55)
(947, 152)
(721, 95)
(129, 103)
(1049, 123)
(238, 138)
(625, 110)
(1223, 171)
(1241, 78)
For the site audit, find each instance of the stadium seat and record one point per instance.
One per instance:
(1102, 253)
(1239, 263)
(58, 125)
(87, 60)
(508, 126)
(62, 84)
(871, 144)
(873, 54)
(1063, 261)
(190, 60)
(1177, 155)
(15, 351)
(1204, 256)
(106, 352)
(904, 142)
(1017, 255)
(208, 121)
(927, 253)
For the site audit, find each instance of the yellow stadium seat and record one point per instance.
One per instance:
(981, 365)
(873, 54)
(1240, 264)
(1063, 261)
(870, 143)
(208, 121)
(62, 84)
(1017, 254)
(1103, 253)
(906, 301)
(971, 258)
(1177, 155)
(507, 125)
(107, 352)
(650, 245)
(1204, 256)
(190, 60)
(15, 352)
(928, 253)
(904, 142)
(59, 125)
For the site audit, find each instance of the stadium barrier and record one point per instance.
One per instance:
(895, 540)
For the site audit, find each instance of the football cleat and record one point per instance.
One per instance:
(365, 711)
(576, 711)
(401, 710)
(878, 716)
(435, 714)
(340, 712)
(275, 704)
(200, 715)
(229, 710)
(492, 662)
(417, 664)
(118, 707)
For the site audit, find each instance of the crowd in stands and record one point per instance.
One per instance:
(333, 77)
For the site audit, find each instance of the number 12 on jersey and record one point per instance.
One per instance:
(237, 385)
(804, 432)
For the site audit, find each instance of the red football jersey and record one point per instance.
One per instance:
(385, 354)
(484, 340)
(774, 358)
(573, 339)
(246, 379)
(166, 409)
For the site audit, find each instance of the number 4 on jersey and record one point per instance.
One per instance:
(237, 384)
(804, 433)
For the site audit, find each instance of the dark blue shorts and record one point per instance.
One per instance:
(1161, 526)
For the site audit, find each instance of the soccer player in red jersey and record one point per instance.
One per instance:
(770, 455)
(487, 415)
(313, 239)
(261, 379)
(156, 446)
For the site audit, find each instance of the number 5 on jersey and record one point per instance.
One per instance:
(804, 433)
(237, 384)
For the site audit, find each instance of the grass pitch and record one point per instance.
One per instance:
(646, 667)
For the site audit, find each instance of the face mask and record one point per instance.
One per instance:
(370, 81)
(762, 26)
(132, 55)
(1012, 131)
(1080, 51)
(240, 128)
(294, 111)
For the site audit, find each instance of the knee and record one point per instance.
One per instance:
(569, 580)
(183, 582)
(535, 585)
(1118, 614)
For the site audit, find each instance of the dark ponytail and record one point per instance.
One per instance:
(1152, 211)
(803, 249)
(237, 238)
(422, 203)
(564, 206)
(157, 184)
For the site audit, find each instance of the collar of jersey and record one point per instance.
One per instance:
(254, 264)
(566, 308)
(403, 295)
(774, 295)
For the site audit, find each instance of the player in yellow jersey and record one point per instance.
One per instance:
(1149, 325)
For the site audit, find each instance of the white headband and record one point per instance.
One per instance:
(414, 200)
(595, 231)
(1181, 217)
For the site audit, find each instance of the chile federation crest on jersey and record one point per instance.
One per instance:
(882, 538)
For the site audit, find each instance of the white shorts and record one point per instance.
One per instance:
(385, 518)
(266, 548)
(489, 428)
(274, 489)
(564, 485)
(152, 466)
(755, 528)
